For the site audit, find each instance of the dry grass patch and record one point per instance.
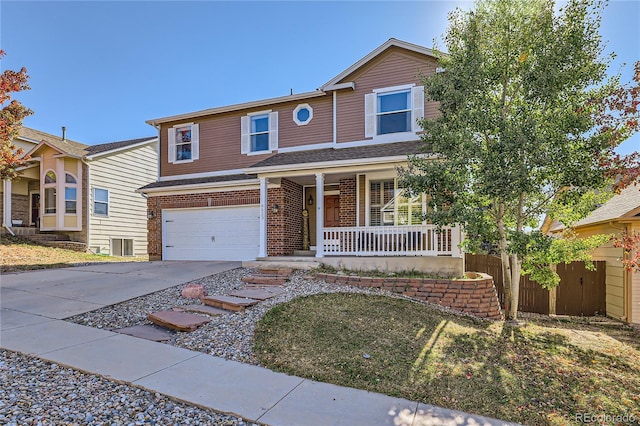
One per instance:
(543, 373)
(17, 254)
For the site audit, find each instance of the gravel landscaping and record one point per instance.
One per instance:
(36, 392)
(227, 336)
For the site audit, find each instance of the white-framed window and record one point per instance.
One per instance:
(70, 194)
(259, 132)
(100, 202)
(392, 205)
(184, 143)
(50, 182)
(302, 114)
(393, 110)
(121, 247)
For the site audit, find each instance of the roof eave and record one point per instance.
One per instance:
(236, 107)
(124, 148)
(244, 182)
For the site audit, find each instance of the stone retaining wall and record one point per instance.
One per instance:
(477, 296)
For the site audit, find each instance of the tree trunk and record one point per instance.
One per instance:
(516, 265)
(506, 268)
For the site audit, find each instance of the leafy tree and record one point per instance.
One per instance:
(528, 124)
(11, 117)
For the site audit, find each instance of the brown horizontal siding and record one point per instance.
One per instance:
(392, 68)
(220, 137)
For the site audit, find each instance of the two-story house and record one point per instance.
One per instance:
(81, 196)
(239, 182)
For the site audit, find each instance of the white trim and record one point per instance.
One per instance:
(399, 88)
(6, 217)
(319, 215)
(335, 118)
(297, 109)
(301, 168)
(201, 175)
(113, 151)
(312, 147)
(347, 85)
(93, 202)
(262, 251)
(263, 112)
(206, 187)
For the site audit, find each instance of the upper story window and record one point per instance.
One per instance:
(393, 114)
(259, 132)
(393, 110)
(302, 114)
(184, 143)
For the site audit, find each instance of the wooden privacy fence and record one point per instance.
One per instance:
(581, 292)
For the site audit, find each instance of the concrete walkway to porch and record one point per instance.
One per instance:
(34, 304)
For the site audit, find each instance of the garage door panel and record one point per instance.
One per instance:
(211, 234)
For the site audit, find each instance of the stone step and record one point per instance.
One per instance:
(265, 279)
(304, 253)
(257, 293)
(147, 331)
(276, 271)
(202, 309)
(180, 321)
(48, 237)
(229, 303)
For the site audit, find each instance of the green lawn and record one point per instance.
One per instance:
(543, 373)
(19, 254)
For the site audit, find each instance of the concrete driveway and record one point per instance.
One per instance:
(62, 293)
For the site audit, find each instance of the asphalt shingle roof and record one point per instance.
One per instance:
(194, 181)
(76, 148)
(619, 205)
(338, 154)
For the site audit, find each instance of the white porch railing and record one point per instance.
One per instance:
(406, 240)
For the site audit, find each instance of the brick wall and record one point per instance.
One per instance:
(20, 208)
(477, 297)
(209, 199)
(348, 202)
(284, 229)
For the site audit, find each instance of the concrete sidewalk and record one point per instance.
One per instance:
(31, 323)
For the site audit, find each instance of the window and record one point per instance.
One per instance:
(302, 114)
(50, 180)
(259, 132)
(184, 143)
(121, 247)
(390, 205)
(393, 110)
(70, 193)
(100, 202)
(69, 200)
(49, 201)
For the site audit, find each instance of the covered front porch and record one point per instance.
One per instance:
(354, 218)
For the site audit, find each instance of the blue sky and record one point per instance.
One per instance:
(102, 68)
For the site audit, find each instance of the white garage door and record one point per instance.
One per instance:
(229, 233)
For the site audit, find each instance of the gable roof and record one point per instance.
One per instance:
(373, 54)
(73, 148)
(333, 84)
(622, 205)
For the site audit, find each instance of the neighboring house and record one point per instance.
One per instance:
(620, 213)
(234, 180)
(84, 194)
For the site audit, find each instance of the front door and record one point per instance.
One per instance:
(35, 209)
(332, 211)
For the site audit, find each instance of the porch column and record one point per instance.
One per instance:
(6, 194)
(319, 214)
(263, 218)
